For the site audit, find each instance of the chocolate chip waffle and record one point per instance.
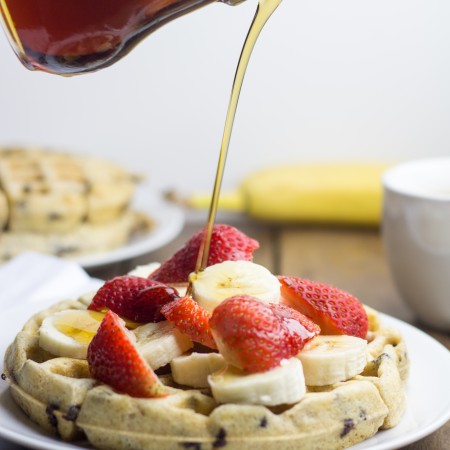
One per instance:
(63, 204)
(59, 395)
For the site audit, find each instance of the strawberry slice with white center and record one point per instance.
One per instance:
(336, 311)
(114, 360)
(191, 319)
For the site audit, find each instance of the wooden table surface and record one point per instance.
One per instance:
(349, 258)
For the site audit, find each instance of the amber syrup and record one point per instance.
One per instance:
(68, 37)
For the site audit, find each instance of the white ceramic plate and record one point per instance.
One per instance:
(428, 402)
(168, 218)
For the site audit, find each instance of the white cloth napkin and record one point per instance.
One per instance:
(40, 280)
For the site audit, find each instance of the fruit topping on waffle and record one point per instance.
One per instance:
(114, 360)
(336, 311)
(227, 244)
(246, 359)
(134, 298)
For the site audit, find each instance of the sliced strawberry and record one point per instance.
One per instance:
(334, 310)
(227, 244)
(191, 319)
(302, 327)
(114, 360)
(135, 298)
(253, 336)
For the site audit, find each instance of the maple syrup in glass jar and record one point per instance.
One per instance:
(69, 37)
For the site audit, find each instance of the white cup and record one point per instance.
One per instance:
(416, 232)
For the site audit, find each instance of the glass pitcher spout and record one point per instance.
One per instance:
(69, 37)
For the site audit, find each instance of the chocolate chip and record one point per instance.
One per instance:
(51, 416)
(54, 216)
(72, 413)
(362, 414)
(348, 426)
(63, 251)
(3, 377)
(192, 445)
(263, 422)
(380, 358)
(221, 440)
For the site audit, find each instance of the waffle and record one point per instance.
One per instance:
(63, 204)
(4, 210)
(86, 239)
(59, 395)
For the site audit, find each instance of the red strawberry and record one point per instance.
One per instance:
(191, 319)
(114, 360)
(227, 244)
(334, 310)
(134, 298)
(299, 325)
(252, 335)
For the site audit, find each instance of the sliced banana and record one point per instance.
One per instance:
(193, 370)
(68, 333)
(283, 385)
(160, 342)
(145, 270)
(229, 278)
(330, 359)
(86, 299)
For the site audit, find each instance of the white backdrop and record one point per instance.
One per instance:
(328, 81)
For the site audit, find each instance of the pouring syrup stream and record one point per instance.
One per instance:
(264, 11)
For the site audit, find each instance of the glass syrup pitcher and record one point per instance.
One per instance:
(69, 37)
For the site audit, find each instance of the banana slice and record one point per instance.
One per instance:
(145, 270)
(160, 342)
(193, 370)
(68, 333)
(330, 359)
(229, 278)
(283, 385)
(86, 298)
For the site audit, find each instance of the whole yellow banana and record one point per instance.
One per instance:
(319, 193)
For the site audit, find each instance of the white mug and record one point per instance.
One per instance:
(416, 233)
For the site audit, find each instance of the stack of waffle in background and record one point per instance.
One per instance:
(63, 204)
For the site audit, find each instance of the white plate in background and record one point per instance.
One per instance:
(168, 222)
